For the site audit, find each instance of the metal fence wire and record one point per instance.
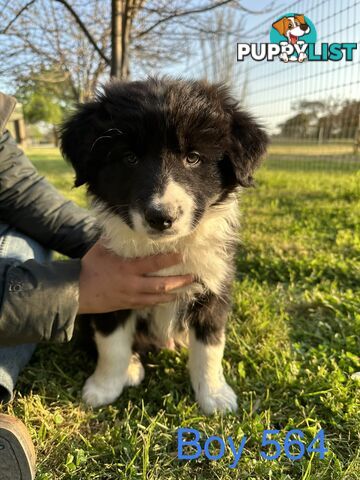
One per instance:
(311, 109)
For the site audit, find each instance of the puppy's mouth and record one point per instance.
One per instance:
(165, 235)
(293, 39)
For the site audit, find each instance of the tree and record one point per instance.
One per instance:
(46, 95)
(323, 119)
(76, 35)
(44, 33)
(296, 126)
(349, 119)
(217, 46)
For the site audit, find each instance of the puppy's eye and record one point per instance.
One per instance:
(131, 159)
(290, 25)
(193, 158)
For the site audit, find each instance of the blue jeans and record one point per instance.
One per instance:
(16, 245)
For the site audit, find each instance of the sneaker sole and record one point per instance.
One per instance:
(16, 450)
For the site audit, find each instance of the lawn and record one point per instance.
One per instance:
(293, 344)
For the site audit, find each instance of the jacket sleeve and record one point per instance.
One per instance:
(38, 301)
(32, 205)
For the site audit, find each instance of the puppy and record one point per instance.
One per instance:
(292, 28)
(163, 161)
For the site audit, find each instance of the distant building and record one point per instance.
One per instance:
(16, 125)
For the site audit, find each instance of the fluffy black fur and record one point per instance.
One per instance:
(143, 117)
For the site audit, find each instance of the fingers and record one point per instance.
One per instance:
(155, 263)
(148, 299)
(163, 284)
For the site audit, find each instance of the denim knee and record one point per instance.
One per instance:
(14, 244)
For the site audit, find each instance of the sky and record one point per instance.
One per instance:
(272, 88)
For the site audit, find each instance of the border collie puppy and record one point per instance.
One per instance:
(163, 161)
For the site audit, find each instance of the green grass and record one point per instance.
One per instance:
(292, 346)
(314, 157)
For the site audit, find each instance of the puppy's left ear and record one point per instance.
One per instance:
(248, 142)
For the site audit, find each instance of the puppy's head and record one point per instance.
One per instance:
(292, 27)
(160, 153)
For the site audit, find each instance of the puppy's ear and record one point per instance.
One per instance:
(281, 25)
(248, 142)
(300, 18)
(77, 136)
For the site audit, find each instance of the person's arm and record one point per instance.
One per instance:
(40, 302)
(29, 203)
(32, 205)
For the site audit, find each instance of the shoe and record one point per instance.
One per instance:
(17, 453)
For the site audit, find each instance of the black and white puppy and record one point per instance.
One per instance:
(163, 161)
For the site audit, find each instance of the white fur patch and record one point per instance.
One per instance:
(175, 200)
(204, 250)
(135, 372)
(116, 367)
(207, 377)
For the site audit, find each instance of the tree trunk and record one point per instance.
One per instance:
(120, 37)
(55, 136)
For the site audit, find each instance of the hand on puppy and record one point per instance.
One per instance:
(109, 283)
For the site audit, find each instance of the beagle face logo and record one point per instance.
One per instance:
(293, 32)
(292, 27)
(293, 39)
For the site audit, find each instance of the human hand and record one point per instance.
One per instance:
(109, 282)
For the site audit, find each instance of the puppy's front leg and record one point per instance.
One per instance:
(116, 366)
(206, 348)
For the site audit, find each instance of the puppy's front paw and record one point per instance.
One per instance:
(221, 399)
(135, 373)
(98, 393)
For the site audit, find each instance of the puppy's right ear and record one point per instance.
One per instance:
(77, 135)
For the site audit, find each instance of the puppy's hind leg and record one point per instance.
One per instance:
(135, 373)
(114, 362)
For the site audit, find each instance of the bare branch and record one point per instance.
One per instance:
(183, 14)
(22, 10)
(76, 18)
(84, 29)
(257, 12)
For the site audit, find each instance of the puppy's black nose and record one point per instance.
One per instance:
(304, 27)
(159, 219)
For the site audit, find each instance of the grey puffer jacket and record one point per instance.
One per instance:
(38, 301)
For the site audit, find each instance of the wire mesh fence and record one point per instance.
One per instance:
(311, 109)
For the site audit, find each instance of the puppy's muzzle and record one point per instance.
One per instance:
(304, 27)
(159, 218)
